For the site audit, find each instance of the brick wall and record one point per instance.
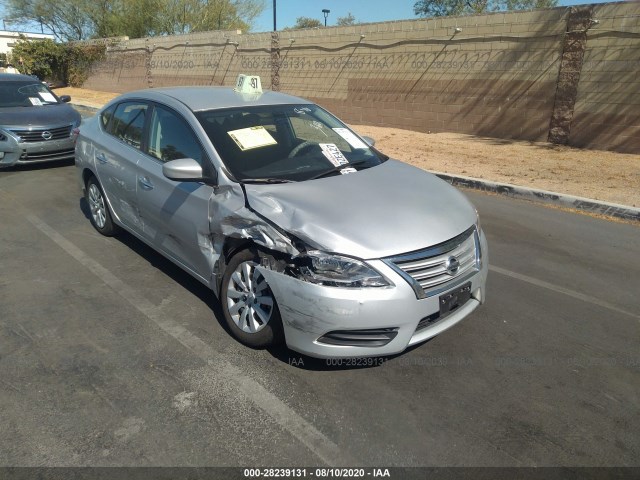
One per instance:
(491, 75)
(607, 110)
(495, 77)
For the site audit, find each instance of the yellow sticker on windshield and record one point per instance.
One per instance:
(253, 137)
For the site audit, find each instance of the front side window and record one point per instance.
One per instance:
(170, 138)
(26, 94)
(128, 122)
(285, 143)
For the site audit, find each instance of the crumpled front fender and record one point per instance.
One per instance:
(230, 217)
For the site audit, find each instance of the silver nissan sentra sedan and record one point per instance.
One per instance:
(305, 232)
(35, 124)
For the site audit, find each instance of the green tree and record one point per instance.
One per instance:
(183, 16)
(528, 4)
(440, 8)
(83, 19)
(305, 22)
(67, 20)
(117, 18)
(347, 20)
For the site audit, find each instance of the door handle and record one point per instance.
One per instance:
(101, 157)
(145, 183)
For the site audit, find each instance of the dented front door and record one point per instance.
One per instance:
(175, 217)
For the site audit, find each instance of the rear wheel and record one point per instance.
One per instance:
(100, 214)
(249, 306)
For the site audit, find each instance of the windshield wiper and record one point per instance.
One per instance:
(339, 168)
(265, 180)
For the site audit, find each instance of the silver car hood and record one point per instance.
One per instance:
(386, 210)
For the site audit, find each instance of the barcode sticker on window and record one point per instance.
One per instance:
(333, 154)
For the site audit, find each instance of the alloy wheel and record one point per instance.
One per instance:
(249, 298)
(97, 206)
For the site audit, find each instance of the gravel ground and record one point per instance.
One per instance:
(607, 176)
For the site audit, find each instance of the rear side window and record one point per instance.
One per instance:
(128, 122)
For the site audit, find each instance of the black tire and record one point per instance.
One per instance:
(99, 212)
(270, 333)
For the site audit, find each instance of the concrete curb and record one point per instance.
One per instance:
(579, 203)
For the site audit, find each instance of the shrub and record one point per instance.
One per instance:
(42, 58)
(57, 62)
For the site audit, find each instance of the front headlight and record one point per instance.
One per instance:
(478, 243)
(337, 271)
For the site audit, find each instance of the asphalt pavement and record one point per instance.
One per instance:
(111, 355)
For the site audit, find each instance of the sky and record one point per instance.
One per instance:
(362, 10)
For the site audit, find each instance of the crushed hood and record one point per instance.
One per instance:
(386, 210)
(44, 116)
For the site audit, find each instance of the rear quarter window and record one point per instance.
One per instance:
(106, 116)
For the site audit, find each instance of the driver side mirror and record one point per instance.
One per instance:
(184, 170)
(65, 98)
(369, 141)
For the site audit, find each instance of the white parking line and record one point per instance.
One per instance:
(285, 416)
(559, 289)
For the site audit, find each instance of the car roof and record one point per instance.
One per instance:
(213, 98)
(16, 77)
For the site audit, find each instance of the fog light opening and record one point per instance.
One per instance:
(376, 337)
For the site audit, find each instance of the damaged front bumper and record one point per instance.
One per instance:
(330, 322)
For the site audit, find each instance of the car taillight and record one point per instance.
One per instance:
(75, 132)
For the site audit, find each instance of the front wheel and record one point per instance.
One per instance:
(249, 306)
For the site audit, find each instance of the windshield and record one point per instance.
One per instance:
(25, 94)
(285, 143)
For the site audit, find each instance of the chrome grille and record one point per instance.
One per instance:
(433, 270)
(35, 134)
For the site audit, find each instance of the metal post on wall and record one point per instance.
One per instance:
(274, 16)
(275, 54)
